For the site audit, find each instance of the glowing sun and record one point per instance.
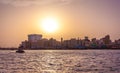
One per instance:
(49, 24)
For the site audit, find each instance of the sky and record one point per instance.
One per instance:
(77, 18)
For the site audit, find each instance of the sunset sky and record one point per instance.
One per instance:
(76, 18)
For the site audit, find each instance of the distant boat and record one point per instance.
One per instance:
(20, 50)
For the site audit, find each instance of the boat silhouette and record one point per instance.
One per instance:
(20, 50)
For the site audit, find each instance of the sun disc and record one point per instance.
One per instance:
(49, 25)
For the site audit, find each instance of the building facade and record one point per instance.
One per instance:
(34, 37)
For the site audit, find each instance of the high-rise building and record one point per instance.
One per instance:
(107, 40)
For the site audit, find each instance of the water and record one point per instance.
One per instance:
(60, 61)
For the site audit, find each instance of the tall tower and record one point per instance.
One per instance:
(61, 40)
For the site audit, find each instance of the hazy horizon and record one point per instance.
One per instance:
(76, 18)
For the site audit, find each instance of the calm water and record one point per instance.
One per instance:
(60, 61)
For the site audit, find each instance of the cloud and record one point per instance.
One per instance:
(34, 2)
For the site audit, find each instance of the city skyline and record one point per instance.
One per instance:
(76, 18)
(37, 42)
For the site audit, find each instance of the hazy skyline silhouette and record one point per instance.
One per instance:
(77, 18)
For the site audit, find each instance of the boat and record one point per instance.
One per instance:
(20, 50)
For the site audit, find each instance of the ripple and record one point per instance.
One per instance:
(40, 61)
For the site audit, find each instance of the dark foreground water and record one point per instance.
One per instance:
(60, 61)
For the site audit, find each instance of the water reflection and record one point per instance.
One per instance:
(52, 61)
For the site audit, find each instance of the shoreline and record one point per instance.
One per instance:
(64, 49)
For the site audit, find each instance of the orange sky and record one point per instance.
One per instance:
(77, 18)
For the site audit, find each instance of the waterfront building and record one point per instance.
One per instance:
(107, 40)
(53, 43)
(34, 37)
(86, 42)
(116, 44)
(25, 44)
(73, 43)
(94, 43)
